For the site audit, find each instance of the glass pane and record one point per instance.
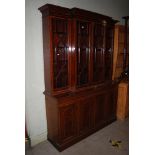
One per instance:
(108, 53)
(98, 54)
(82, 52)
(60, 54)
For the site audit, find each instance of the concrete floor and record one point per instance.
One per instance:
(95, 144)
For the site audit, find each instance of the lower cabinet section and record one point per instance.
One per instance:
(79, 116)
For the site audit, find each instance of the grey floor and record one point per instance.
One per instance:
(96, 144)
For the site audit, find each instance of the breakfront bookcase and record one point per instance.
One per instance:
(78, 58)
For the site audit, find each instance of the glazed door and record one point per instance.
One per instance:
(68, 122)
(83, 52)
(109, 52)
(60, 47)
(99, 52)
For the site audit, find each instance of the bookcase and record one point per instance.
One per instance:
(78, 62)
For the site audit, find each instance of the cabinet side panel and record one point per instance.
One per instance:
(47, 54)
(52, 118)
(122, 102)
(127, 102)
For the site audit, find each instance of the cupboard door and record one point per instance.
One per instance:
(85, 115)
(109, 52)
(68, 122)
(83, 52)
(110, 105)
(99, 53)
(100, 109)
(60, 52)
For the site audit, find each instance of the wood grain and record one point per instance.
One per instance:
(123, 101)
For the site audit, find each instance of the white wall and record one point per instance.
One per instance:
(35, 102)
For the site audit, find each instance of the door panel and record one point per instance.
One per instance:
(110, 106)
(105, 107)
(85, 115)
(99, 112)
(68, 122)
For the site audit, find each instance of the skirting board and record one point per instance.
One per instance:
(38, 139)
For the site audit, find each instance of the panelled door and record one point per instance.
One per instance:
(85, 110)
(110, 105)
(68, 122)
(105, 107)
(100, 109)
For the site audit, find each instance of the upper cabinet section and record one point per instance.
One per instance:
(78, 47)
